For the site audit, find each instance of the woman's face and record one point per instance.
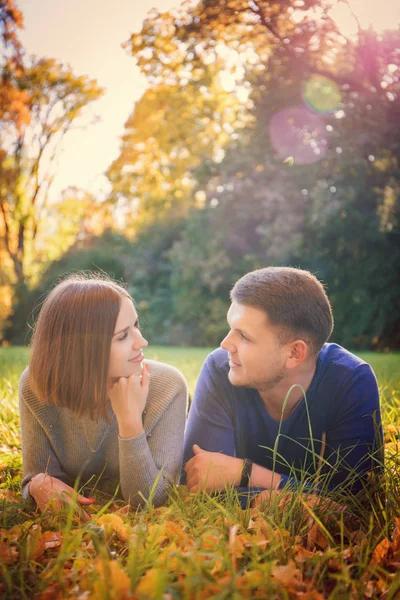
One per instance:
(126, 345)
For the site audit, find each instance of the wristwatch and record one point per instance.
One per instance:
(246, 473)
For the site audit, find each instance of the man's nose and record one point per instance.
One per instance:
(226, 343)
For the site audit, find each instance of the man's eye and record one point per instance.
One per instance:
(244, 337)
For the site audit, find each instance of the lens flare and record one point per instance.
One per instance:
(297, 132)
(321, 94)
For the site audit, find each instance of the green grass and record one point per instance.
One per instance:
(196, 547)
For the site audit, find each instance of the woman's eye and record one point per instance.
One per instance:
(121, 339)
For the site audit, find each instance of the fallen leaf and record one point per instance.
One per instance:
(380, 553)
(52, 539)
(52, 592)
(9, 496)
(301, 554)
(35, 545)
(8, 554)
(316, 539)
(287, 575)
(114, 583)
(396, 536)
(236, 545)
(148, 584)
(110, 522)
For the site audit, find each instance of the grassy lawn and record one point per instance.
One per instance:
(197, 548)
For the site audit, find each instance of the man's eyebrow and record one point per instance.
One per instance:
(240, 330)
(125, 328)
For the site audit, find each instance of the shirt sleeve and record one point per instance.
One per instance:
(353, 440)
(149, 464)
(38, 455)
(210, 423)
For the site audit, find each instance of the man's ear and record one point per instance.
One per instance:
(298, 350)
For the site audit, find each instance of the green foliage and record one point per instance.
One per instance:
(27, 302)
(337, 217)
(206, 194)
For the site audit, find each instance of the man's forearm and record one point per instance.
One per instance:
(264, 478)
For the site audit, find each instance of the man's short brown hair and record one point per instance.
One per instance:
(72, 341)
(293, 300)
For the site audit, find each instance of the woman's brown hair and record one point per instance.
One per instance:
(71, 344)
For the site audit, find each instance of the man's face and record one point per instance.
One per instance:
(256, 356)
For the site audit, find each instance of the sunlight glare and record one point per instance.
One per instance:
(378, 14)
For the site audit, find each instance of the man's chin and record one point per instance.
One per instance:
(235, 379)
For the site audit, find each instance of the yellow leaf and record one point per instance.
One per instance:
(113, 581)
(113, 523)
(148, 584)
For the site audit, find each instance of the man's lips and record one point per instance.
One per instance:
(233, 364)
(137, 358)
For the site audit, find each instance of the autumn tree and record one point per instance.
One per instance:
(326, 198)
(14, 107)
(170, 133)
(57, 100)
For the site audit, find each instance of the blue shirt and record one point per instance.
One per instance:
(341, 402)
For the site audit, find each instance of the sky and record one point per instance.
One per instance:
(87, 35)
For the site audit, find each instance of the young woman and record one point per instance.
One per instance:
(89, 403)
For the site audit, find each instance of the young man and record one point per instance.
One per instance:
(276, 404)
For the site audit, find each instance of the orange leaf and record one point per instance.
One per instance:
(396, 536)
(316, 539)
(380, 553)
(35, 545)
(52, 592)
(8, 554)
(236, 545)
(52, 539)
(287, 575)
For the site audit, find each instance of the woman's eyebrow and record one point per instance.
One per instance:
(125, 329)
(122, 331)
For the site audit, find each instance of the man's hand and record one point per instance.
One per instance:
(212, 471)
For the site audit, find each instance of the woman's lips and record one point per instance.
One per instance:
(137, 359)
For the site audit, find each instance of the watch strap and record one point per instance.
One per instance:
(246, 473)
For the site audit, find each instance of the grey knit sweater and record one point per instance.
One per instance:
(55, 441)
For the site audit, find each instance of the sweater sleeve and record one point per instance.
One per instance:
(210, 423)
(37, 453)
(150, 462)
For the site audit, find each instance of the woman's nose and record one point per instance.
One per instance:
(139, 341)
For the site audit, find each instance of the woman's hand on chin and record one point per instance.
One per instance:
(128, 398)
(52, 493)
